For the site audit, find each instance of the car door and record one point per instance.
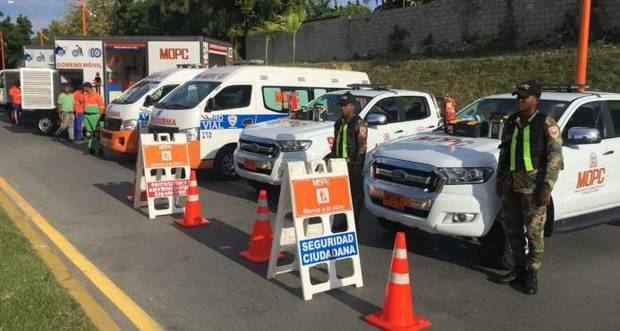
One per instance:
(613, 153)
(416, 116)
(583, 185)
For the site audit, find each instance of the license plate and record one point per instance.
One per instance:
(394, 200)
(249, 164)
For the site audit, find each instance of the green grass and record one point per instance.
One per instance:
(468, 77)
(30, 297)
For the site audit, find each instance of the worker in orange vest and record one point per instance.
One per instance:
(15, 94)
(78, 107)
(449, 110)
(93, 110)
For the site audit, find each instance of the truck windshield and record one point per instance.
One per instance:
(136, 92)
(332, 103)
(187, 95)
(481, 110)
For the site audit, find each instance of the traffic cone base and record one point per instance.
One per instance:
(196, 223)
(376, 320)
(192, 217)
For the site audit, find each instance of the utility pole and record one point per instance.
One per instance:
(2, 49)
(582, 48)
(83, 12)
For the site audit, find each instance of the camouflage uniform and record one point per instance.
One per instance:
(518, 193)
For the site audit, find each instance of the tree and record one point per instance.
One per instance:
(292, 22)
(16, 35)
(268, 29)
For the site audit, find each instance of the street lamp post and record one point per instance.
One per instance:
(36, 17)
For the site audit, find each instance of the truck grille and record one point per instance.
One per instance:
(162, 129)
(112, 124)
(412, 174)
(256, 147)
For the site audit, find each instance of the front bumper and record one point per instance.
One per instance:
(123, 141)
(268, 170)
(435, 212)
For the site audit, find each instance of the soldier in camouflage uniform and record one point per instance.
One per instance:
(529, 163)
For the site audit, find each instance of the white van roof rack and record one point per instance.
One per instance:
(370, 87)
(249, 62)
(190, 66)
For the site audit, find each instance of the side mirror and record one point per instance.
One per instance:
(210, 105)
(583, 136)
(376, 119)
(148, 101)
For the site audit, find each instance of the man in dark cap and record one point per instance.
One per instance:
(529, 163)
(350, 139)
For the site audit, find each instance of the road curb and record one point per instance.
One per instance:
(22, 214)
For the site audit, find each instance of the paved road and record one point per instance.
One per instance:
(194, 279)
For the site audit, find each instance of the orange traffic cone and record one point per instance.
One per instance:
(397, 313)
(192, 217)
(132, 189)
(260, 242)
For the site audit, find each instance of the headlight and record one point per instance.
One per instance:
(455, 176)
(294, 145)
(191, 133)
(129, 125)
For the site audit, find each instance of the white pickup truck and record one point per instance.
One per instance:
(445, 184)
(264, 148)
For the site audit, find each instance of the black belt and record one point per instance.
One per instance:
(91, 113)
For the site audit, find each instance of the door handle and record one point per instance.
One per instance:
(608, 152)
(399, 131)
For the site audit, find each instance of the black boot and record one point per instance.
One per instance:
(531, 282)
(515, 276)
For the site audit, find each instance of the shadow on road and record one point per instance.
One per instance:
(443, 248)
(230, 241)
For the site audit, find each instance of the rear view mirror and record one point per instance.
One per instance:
(376, 119)
(583, 136)
(210, 105)
(148, 101)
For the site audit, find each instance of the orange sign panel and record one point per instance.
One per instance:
(165, 155)
(321, 195)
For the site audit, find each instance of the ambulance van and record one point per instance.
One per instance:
(214, 107)
(127, 115)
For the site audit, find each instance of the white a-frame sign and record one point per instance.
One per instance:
(318, 191)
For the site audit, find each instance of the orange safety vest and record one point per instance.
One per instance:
(93, 99)
(16, 95)
(78, 105)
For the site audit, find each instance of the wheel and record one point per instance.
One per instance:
(45, 125)
(224, 164)
(388, 225)
(494, 251)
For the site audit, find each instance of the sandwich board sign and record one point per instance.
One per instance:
(318, 191)
(162, 169)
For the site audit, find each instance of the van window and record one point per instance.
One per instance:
(136, 92)
(231, 97)
(188, 95)
(319, 92)
(284, 99)
(162, 92)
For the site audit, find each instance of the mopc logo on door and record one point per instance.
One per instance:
(592, 178)
(174, 53)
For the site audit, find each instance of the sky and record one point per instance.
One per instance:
(45, 10)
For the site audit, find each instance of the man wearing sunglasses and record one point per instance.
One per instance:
(529, 163)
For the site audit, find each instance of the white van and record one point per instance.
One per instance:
(128, 114)
(213, 108)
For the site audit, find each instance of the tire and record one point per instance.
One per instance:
(494, 251)
(224, 165)
(389, 226)
(45, 125)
